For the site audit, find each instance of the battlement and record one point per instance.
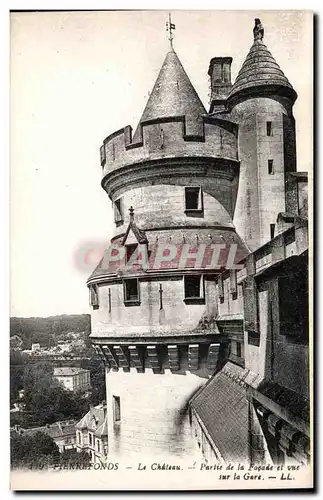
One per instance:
(170, 137)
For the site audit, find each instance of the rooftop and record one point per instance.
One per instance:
(222, 408)
(55, 430)
(173, 94)
(68, 371)
(95, 420)
(260, 71)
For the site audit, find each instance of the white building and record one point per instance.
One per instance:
(73, 379)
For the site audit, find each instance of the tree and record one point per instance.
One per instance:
(35, 451)
(17, 367)
(97, 369)
(72, 457)
(46, 401)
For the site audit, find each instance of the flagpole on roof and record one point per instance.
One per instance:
(170, 27)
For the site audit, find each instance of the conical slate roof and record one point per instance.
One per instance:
(173, 94)
(260, 72)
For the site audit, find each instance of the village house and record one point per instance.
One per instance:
(92, 433)
(62, 432)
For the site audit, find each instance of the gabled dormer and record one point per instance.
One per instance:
(133, 237)
(136, 258)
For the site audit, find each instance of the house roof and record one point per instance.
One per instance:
(222, 408)
(102, 430)
(109, 265)
(56, 430)
(16, 338)
(94, 420)
(68, 371)
(173, 94)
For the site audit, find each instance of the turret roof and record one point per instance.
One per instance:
(260, 71)
(173, 94)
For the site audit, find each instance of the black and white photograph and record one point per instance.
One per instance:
(161, 220)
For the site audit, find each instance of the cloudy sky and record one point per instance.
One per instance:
(75, 78)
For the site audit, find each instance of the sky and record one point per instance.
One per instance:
(76, 77)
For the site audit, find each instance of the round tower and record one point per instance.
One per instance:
(173, 186)
(261, 102)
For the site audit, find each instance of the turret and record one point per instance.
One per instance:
(261, 101)
(260, 75)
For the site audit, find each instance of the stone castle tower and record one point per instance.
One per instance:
(261, 102)
(185, 185)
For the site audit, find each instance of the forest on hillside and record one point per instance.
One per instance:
(45, 400)
(47, 331)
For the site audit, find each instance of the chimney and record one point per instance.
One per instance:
(220, 79)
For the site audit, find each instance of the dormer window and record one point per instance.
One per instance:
(94, 422)
(118, 212)
(130, 249)
(193, 199)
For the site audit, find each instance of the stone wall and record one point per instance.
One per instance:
(154, 414)
(147, 319)
(163, 204)
(167, 139)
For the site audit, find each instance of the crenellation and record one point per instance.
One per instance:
(175, 142)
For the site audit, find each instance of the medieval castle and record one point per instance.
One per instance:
(200, 305)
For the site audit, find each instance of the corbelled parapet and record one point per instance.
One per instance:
(176, 357)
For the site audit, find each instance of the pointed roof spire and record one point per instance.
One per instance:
(173, 94)
(260, 75)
